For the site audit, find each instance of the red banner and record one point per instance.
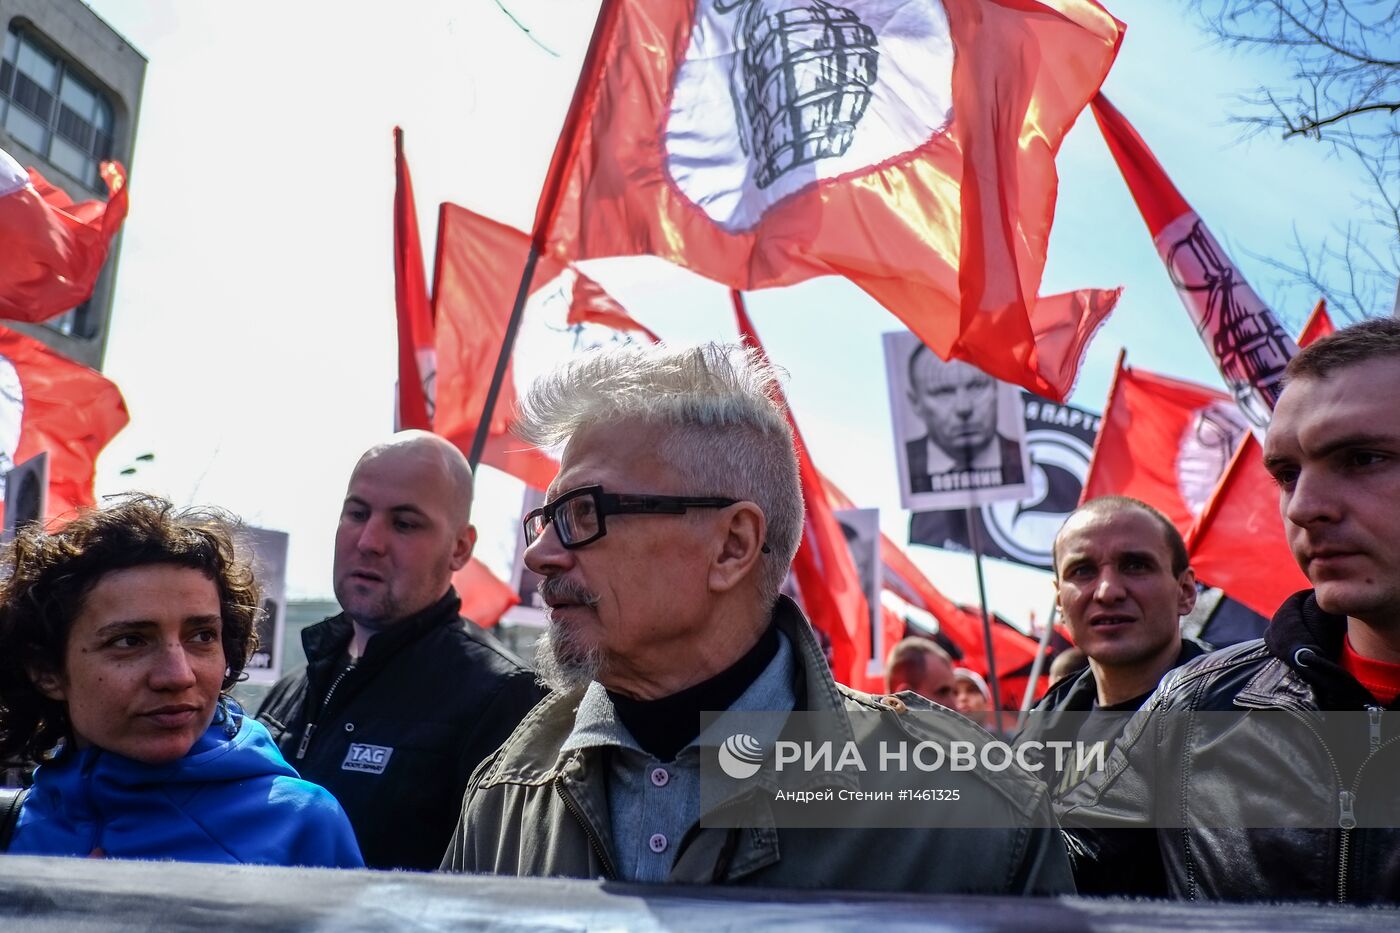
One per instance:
(1239, 543)
(1164, 441)
(49, 403)
(417, 359)
(910, 148)
(54, 249)
(1243, 336)
(479, 263)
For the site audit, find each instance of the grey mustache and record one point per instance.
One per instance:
(562, 589)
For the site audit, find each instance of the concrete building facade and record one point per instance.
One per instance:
(70, 94)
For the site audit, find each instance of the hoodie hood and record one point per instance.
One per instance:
(231, 798)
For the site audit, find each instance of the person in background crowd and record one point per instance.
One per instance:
(920, 665)
(401, 697)
(972, 697)
(663, 543)
(1122, 584)
(1072, 660)
(119, 637)
(1303, 805)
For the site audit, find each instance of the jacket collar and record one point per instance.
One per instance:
(533, 753)
(1308, 643)
(326, 641)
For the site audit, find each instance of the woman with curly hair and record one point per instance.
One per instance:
(120, 635)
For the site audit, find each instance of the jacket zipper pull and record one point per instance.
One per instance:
(1375, 712)
(1348, 819)
(305, 740)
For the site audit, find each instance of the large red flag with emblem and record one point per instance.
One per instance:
(1239, 543)
(48, 403)
(909, 147)
(479, 262)
(417, 355)
(1244, 337)
(53, 248)
(826, 575)
(1164, 441)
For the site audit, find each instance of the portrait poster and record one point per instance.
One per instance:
(531, 609)
(1060, 439)
(861, 528)
(959, 437)
(26, 494)
(269, 552)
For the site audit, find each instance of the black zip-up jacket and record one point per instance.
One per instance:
(1300, 806)
(403, 728)
(1066, 707)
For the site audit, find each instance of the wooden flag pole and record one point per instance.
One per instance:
(975, 539)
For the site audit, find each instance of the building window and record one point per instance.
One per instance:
(46, 106)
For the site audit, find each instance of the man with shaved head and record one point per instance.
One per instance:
(401, 697)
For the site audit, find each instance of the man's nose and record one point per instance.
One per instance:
(1311, 500)
(546, 555)
(1109, 588)
(372, 536)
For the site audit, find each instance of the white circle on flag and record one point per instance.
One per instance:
(12, 175)
(11, 417)
(776, 95)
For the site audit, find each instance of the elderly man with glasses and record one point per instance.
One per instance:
(663, 544)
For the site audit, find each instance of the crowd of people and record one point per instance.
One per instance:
(413, 740)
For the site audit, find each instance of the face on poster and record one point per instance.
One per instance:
(525, 580)
(270, 565)
(861, 528)
(959, 435)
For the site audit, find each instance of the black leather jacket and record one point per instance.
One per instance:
(1225, 799)
(404, 727)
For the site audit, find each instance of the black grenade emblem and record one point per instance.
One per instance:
(1251, 346)
(802, 81)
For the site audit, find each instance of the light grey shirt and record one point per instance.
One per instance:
(653, 804)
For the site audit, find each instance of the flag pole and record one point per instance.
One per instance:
(498, 378)
(560, 167)
(975, 539)
(1029, 699)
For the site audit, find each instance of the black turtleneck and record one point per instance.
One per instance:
(664, 726)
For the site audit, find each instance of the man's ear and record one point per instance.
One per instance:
(49, 684)
(1186, 592)
(462, 547)
(744, 530)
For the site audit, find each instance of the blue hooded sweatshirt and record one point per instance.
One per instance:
(232, 799)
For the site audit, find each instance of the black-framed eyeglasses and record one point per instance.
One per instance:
(580, 515)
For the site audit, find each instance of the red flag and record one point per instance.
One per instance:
(484, 597)
(823, 567)
(1164, 441)
(478, 263)
(907, 147)
(1239, 543)
(1244, 337)
(417, 356)
(54, 249)
(49, 403)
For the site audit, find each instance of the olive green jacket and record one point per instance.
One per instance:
(531, 811)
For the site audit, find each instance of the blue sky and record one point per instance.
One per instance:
(253, 331)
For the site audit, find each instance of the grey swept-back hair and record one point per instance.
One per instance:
(725, 433)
